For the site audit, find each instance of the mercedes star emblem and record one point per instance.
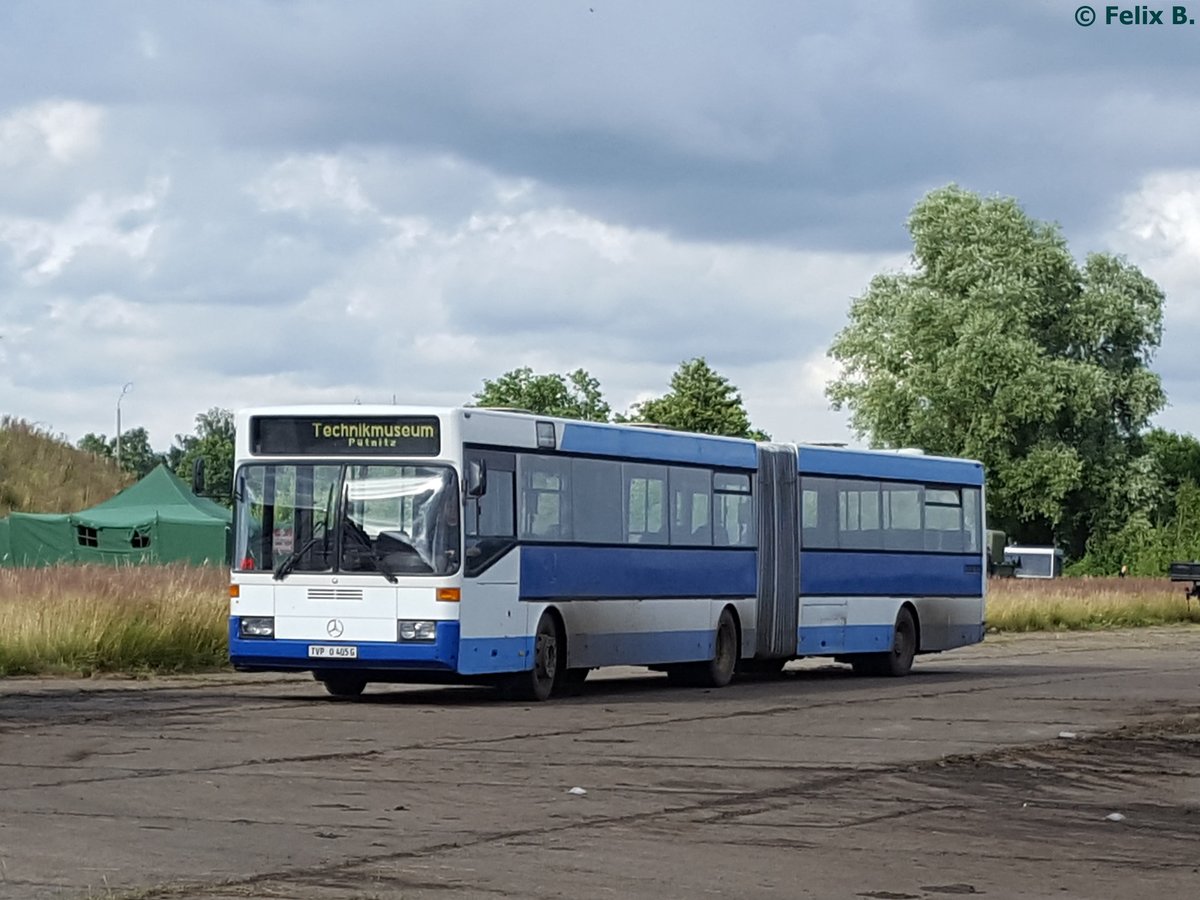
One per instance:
(334, 628)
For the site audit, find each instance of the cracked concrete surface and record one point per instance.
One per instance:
(818, 784)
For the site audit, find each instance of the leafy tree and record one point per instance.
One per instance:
(1177, 457)
(212, 442)
(575, 396)
(137, 456)
(699, 400)
(97, 445)
(1000, 347)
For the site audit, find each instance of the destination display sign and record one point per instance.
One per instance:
(345, 435)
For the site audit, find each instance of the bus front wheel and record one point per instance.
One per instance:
(539, 682)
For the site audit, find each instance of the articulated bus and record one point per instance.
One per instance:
(411, 544)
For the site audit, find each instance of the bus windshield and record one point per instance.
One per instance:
(373, 517)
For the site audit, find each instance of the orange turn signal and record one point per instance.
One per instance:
(235, 590)
(449, 595)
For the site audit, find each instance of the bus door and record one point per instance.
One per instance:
(492, 619)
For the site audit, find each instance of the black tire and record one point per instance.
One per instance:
(542, 679)
(904, 646)
(343, 685)
(718, 671)
(898, 661)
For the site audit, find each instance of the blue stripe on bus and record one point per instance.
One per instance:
(572, 571)
(900, 466)
(441, 654)
(663, 446)
(848, 573)
(485, 655)
(823, 640)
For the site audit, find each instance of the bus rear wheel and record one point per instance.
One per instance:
(897, 661)
(344, 685)
(540, 681)
(718, 671)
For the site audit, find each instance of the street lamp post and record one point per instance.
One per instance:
(124, 391)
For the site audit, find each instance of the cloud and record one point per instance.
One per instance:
(265, 203)
(418, 307)
(1157, 228)
(57, 132)
(123, 225)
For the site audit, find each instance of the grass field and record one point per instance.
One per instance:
(80, 620)
(83, 620)
(1076, 603)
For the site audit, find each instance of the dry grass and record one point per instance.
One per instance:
(1022, 604)
(43, 473)
(81, 620)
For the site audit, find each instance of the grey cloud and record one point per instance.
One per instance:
(777, 122)
(757, 128)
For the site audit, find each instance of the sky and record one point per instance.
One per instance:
(231, 204)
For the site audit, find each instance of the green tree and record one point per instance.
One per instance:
(137, 456)
(575, 396)
(212, 442)
(1177, 458)
(1001, 348)
(700, 400)
(97, 445)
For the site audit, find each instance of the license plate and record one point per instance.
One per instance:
(327, 651)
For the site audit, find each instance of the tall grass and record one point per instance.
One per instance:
(42, 473)
(1023, 604)
(82, 620)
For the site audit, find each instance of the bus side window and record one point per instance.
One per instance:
(691, 506)
(645, 503)
(818, 513)
(490, 521)
(972, 526)
(545, 508)
(596, 501)
(492, 514)
(733, 510)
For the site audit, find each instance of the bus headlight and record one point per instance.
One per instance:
(417, 631)
(257, 627)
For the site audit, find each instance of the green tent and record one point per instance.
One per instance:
(35, 539)
(157, 520)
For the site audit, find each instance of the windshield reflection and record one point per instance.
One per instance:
(389, 519)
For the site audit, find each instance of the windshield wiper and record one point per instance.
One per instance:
(289, 562)
(382, 568)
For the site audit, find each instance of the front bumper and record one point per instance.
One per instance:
(275, 655)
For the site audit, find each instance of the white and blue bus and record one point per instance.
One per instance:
(410, 544)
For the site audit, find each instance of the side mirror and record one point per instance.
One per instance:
(476, 478)
(198, 475)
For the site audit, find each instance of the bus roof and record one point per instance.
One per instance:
(628, 440)
(888, 464)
